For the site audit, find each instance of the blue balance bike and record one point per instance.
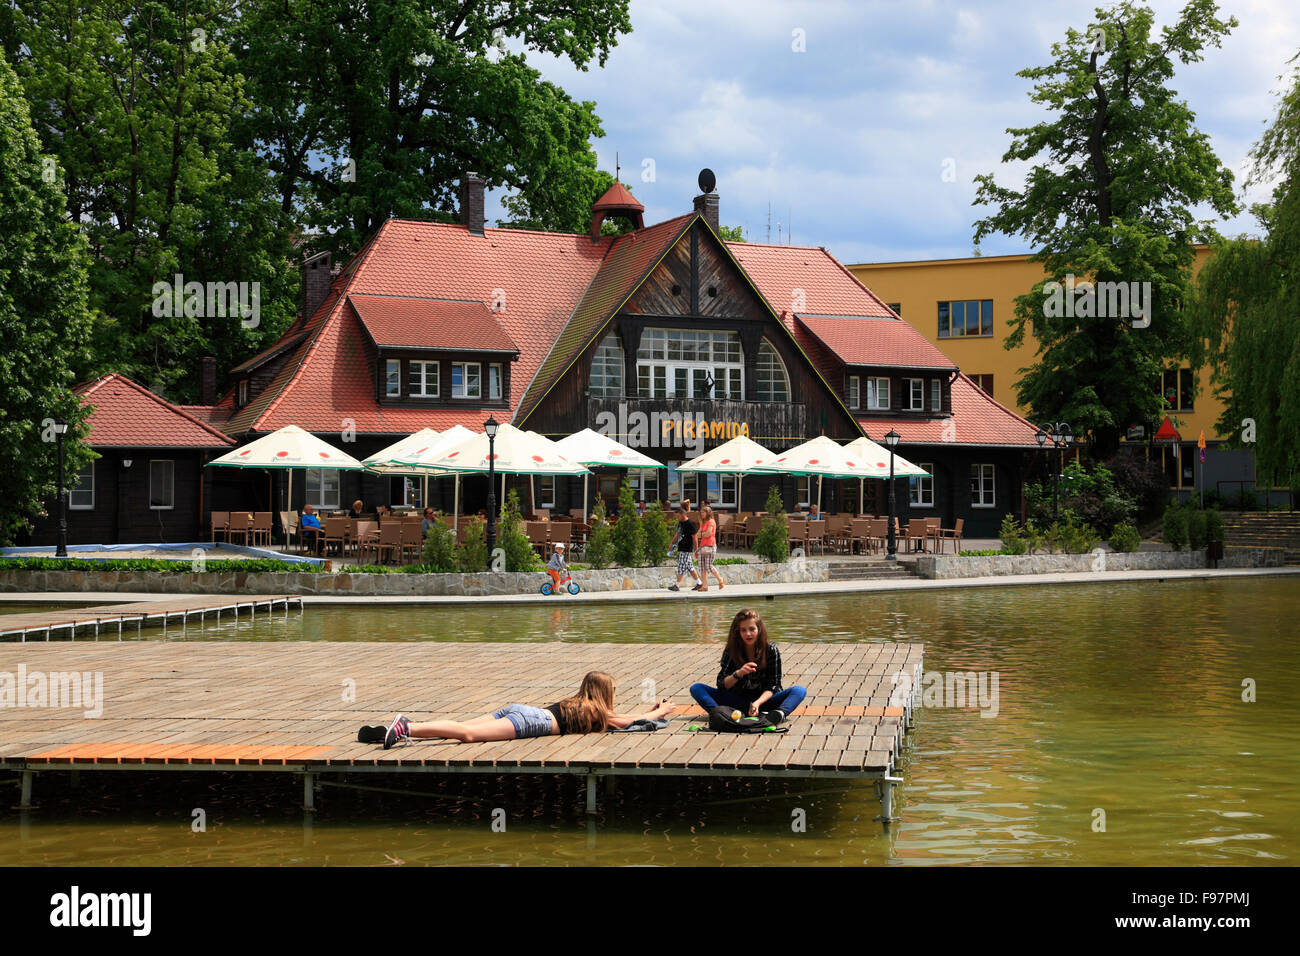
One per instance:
(565, 582)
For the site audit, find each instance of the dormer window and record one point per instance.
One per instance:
(241, 393)
(466, 380)
(424, 380)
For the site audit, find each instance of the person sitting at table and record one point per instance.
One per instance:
(382, 512)
(814, 512)
(310, 527)
(430, 520)
(357, 509)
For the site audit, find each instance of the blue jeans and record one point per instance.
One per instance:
(783, 700)
(529, 721)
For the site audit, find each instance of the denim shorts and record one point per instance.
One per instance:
(528, 721)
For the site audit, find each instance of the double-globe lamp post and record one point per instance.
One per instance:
(891, 440)
(1061, 436)
(490, 429)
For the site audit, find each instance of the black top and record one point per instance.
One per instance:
(686, 530)
(559, 718)
(749, 687)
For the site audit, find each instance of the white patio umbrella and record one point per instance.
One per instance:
(825, 458)
(514, 452)
(289, 448)
(877, 459)
(410, 457)
(739, 457)
(594, 450)
(380, 463)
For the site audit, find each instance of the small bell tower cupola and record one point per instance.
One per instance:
(617, 202)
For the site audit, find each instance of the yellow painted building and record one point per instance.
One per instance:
(964, 306)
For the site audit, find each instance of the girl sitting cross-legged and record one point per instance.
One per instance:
(749, 678)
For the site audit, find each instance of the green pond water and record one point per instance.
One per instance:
(1123, 699)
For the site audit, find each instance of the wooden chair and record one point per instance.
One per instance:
(724, 520)
(260, 531)
(932, 533)
(753, 525)
(412, 539)
(539, 537)
(362, 534)
(860, 535)
(289, 528)
(914, 534)
(387, 541)
(953, 535)
(336, 532)
(561, 531)
(240, 524)
(220, 522)
(797, 531)
(542, 514)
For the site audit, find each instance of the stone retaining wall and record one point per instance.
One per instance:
(468, 585)
(951, 566)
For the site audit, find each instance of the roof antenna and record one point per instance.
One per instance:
(616, 166)
(769, 222)
(789, 229)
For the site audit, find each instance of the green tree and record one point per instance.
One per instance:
(658, 534)
(511, 539)
(140, 106)
(600, 544)
(1118, 171)
(472, 553)
(44, 320)
(403, 97)
(773, 538)
(440, 548)
(1244, 312)
(731, 233)
(629, 535)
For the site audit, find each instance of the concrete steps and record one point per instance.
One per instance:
(1264, 529)
(871, 570)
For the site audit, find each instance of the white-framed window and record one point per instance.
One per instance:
(162, 484)
(322, 487)
(81, 493)
(494, 382)
(392, 377)
(921, 490)
(423, 379)
(404, 491)
(680, 485)
(466, 380)
(682, 363)
(936, 395)
(644, 483)
(773, 382)
(855, 391)
(546, 491)
(607, 368)
(878, 393)
(982, 492)
(802, 486)
(915, 394)
(727, 491)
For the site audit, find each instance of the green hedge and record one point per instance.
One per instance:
(224, 566)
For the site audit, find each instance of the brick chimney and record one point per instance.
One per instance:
(706, 205)
(208, 380)
(315, 283)
(471, 202)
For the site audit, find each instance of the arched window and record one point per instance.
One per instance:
(773, 382)
(607, 368)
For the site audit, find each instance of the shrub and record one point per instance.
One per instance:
(1053, 537)
(1012, 540)
(1196, 529)
(1140, 480)
(1174, 527)
(1245, 500)
(629, 535)
(1125, 538)
(987, 552)
(472, 555)
(440, 548)
(1077, 536)
(773, 539)
(181, 566)
(1034, 537)
(600, 542)
(519, 553)
(724, 561)
(1213, 526)
(658, 534)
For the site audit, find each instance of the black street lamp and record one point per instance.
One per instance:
(490, 429)
(891, 440)
(1061, 436)
(61, 429)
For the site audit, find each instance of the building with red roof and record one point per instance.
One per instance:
(436, 324)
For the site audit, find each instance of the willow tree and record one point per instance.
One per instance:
(1118, 170)
(1244, 312)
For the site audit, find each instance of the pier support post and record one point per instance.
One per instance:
(611, 784)
(887, 800)
(25, 801)
(591, 793)
(309, 792)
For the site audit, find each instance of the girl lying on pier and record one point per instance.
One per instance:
(590, 710)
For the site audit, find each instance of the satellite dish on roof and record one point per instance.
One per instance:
(707, 180)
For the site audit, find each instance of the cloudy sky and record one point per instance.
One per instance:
(848, 139)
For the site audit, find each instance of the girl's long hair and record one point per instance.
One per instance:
(736, 647)
(588, 710)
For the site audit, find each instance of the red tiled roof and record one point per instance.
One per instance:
(127, 415)
(539, 277)
(405, 322)
(214, 415)
(806, 279)
(285, 342)
(875, 341)
(976, 420)
(617, 197)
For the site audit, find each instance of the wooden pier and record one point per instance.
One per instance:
(296, 706)
(108, 620)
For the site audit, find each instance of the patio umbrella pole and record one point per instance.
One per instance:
(584, 499)
(455, 504)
